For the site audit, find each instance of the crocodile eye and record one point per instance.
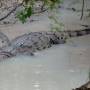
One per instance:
(58, 38)
(61, 37)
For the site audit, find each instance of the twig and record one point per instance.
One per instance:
(82, 10)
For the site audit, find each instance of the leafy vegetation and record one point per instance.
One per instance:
(29, 6)
(24, 14)
(56, 25)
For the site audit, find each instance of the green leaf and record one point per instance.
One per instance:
(29, 7)
(29, 12)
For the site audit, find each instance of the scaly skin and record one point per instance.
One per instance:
(29, 43)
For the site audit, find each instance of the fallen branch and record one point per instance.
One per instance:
(14, 9)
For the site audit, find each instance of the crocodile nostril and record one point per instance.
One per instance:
(2, 41)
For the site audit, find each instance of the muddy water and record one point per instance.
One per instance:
(61, 67)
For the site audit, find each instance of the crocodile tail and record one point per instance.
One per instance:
(79, 32)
